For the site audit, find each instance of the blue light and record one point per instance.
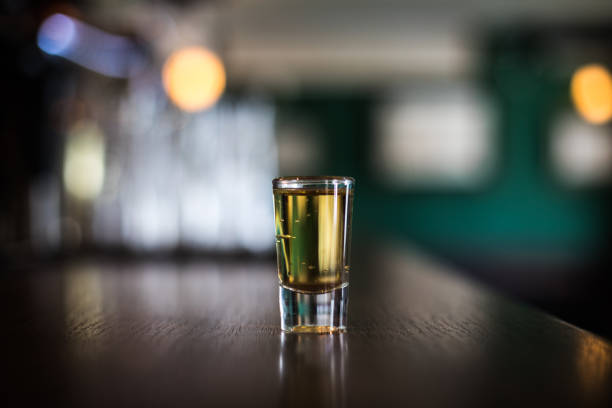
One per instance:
(85, 45)
(56, 34)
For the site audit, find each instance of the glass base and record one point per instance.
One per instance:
(313, 312)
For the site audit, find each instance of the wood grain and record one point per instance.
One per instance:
(199, 333)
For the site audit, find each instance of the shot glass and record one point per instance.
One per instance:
(313, 239)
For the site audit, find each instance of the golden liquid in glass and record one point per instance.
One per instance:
(312, 238)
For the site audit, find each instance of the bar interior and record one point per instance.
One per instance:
(138, 144)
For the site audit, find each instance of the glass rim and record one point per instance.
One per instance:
(311, 181)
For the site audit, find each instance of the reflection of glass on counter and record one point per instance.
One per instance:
(313, 370)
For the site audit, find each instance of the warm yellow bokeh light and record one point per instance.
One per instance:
(84, 161)
(591, 90)
(194, 78)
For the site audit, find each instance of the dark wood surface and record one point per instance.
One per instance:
(200, 333)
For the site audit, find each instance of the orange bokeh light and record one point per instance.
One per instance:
(194, 78)
(591, 90)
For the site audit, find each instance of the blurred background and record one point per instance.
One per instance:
(477, 131)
